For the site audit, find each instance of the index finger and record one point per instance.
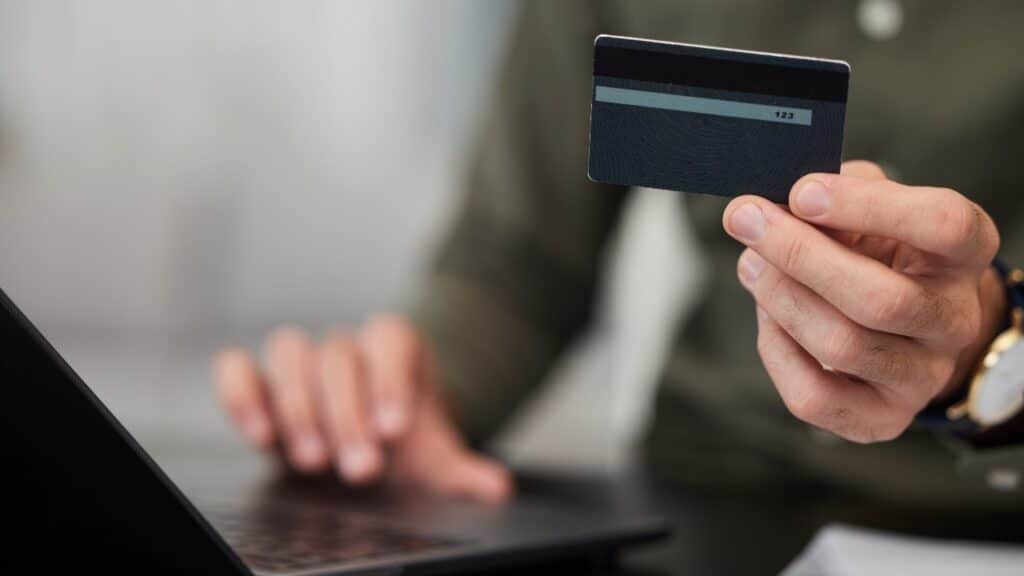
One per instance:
(865, 290)
(393, 363)
(939, 221)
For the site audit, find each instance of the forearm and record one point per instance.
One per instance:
(515, 277)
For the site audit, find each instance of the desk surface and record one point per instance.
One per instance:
(712, 533)
(165, 401)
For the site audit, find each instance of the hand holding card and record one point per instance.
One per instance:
(867, 316)
(713, 120)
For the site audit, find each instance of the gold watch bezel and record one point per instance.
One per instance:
(1006, 340)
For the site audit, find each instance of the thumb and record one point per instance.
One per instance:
(434, 456)
(474, 476)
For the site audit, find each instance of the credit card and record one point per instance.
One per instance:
(713, 120)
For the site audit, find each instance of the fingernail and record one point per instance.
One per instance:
(747, 223)
(309, 450)
(257, 428)
(812, 199)
(357, 461)
(751, 265)
(390, 419)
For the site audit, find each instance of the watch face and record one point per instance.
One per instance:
(1001, 393)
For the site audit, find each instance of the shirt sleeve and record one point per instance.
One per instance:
(514, 278)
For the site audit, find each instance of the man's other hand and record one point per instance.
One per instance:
(874, 298)
(366, 403)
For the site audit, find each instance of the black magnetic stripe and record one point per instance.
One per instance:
(720, 73)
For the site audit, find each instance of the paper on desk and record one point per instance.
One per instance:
(840, 550)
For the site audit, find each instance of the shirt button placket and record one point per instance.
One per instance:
(1003, 479)
(880, 19)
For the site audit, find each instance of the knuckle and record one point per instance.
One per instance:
(790, 313)
(979, 231)
(887, 307)
(770, 287)
(871, 203)
(957, 223)
(794, 253)
(843, 348)
(842, 422)
(808, 406)
(933, 312)
(912, 308)
(886, 363)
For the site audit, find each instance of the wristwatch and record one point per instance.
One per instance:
(995, 393)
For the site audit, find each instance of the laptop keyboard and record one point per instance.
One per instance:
(293, 540)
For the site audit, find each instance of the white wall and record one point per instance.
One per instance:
(188, 163)
(206, 169)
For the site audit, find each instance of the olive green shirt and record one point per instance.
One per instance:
(939, 101)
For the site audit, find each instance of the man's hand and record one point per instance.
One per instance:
(368, 403)
(873, 298)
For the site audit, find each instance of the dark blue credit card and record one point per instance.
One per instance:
(713, 120)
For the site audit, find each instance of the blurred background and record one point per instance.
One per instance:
(176, 176)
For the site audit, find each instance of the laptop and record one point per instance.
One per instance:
(82, 496)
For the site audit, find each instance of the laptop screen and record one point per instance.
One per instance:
(79, 491)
